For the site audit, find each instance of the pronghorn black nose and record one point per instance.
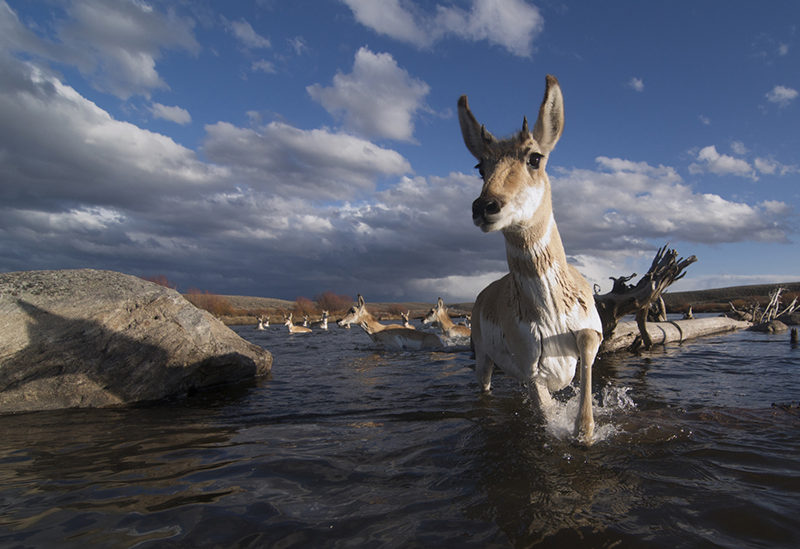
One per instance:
(484, 206)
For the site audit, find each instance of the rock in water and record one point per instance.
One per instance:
(87, 338)
(770, 327)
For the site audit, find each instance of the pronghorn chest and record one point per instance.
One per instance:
(530, 332)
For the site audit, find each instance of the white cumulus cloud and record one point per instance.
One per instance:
(710, 160)
(262, 65)
(173, 114)
(117, 44)
(510, 24)
(244, 32)
(781, 95)
(377, 99)
(316, 163)
(627, 204)
(636, 84)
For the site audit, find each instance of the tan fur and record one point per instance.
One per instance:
(358, 313)
(390, 336)
(448, 327)
(295, 329)
(539, 320)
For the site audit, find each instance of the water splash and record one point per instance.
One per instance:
(612, 400)
(615, 399)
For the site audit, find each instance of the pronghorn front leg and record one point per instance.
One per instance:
(545, 398)
(483, 370)
(588, 343)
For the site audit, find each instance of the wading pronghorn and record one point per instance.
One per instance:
(359, 313)
(406, 323)
(449, 328)
(261, 324)
(295, 329)
(390, 336)
(321, 324)
(539, 320)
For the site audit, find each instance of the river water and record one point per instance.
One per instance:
(347, 446)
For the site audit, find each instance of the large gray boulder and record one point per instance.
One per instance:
(87, 338)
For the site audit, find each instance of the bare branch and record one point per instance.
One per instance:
(625, 299)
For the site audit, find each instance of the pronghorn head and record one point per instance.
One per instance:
(433, 314)
(356, 312)
(515, 184)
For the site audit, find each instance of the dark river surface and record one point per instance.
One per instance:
(347, 446)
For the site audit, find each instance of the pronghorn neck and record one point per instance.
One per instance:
(371, 322)
(444, 320)
(538, 263)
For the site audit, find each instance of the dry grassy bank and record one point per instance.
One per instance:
(718, 300)
(235, 309)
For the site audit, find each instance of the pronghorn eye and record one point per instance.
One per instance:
(479, 167)
(533, 160)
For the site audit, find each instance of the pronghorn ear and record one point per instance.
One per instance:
(476, 137)
(360, 301)
(440, 303)
(550, 124)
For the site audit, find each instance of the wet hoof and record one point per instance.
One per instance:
(584, 433)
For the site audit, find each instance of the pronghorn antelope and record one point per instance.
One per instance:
(540, 319)
(448, 327)
(305, 321)
(295, 329)
(321, 324)
(261, 324)
(406, 323)
(358, 313)
(266, 322)
(390, 336)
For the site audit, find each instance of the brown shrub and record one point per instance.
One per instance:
(304, 306)
(331, 302)
(213, 303)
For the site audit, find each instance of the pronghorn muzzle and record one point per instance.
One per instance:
(484, 209)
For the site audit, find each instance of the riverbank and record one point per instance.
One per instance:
(247, 309)
(717, 300)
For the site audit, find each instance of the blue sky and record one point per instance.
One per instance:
(288, 148)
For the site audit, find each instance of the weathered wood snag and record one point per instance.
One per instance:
(771, 312)
(625, 299)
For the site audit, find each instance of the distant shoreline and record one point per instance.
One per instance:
(714, 300)
(718, 300)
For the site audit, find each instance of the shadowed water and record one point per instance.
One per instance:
(345, 446)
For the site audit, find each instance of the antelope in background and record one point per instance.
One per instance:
(406, 323)
(358, 313)
(295, 329)
(322, 324)
(390, 336)
(448, 327)
(539, 320)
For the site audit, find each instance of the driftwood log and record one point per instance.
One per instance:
(625, 299)
(626, 335)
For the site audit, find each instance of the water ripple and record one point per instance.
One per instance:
(344, 445)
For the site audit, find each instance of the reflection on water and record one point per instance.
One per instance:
(344, 445)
